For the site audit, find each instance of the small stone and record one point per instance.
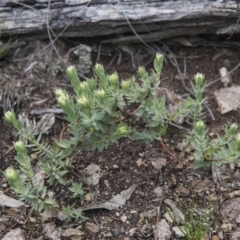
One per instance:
(169, 217)
(4, 219)
(115, 166)
(178, 232)
(214, 237)
(14, 234)
(227, 227)
(158, 191)
(92, 229)
(162, 230)
(124, 218)
(220, 235)
(88, 197)
(2, 228)
(61, 216)
(108, 235)
(116, 231)
(72, 232)
(132, 231)
(235, 235)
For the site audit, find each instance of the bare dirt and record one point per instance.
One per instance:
(28, 78)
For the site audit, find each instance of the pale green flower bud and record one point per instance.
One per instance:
(84, 86)
(83, 101)
(233, 129)
(125, 85)
(12, 176)
(20, 147)
(199, 79)
(159, 57)
(72, 72)
(141, 71)
(122, 130)
(99, 68)
(237, 139)
(100, 93)
(62, 100)
(113, 79)
(199, 126)
(10, 117)
(59, 92)
(208, 154)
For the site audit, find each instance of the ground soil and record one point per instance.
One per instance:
(125, 163)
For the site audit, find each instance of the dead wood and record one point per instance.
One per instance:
(151, 19)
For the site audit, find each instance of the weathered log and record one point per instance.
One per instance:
(151, 19)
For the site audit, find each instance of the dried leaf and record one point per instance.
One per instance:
(45, 124)
(158, 163)
(179, 216)
(217, 178)
(115, 202)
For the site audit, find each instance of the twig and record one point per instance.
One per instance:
(50, 37)
(171, 154)
(235, 28)
(216, 80)
(133, 30)
(62, 131)
(175, 63)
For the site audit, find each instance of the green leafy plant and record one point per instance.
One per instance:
(224, 149)
(196, 223)
(100, 113)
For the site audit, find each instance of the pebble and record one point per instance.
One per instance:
(158, 191)
(178, 232)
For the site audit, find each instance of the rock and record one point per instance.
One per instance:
(14, 234)
(92, 229)
(149, 215)
(158, 191)
(169, 216)
(230, 210)
(132, 231)
(72, 233)
(235, 235)
(220, 235)
(108, 235)
(7, 201)
(178, 232)
(88, 197)
(227, 227)
(117, 230)
(115, 166)
(162, 230)
(61, 216)
(91, 175)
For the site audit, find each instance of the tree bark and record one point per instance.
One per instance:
(139, 20)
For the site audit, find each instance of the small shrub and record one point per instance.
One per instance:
(99, 114)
